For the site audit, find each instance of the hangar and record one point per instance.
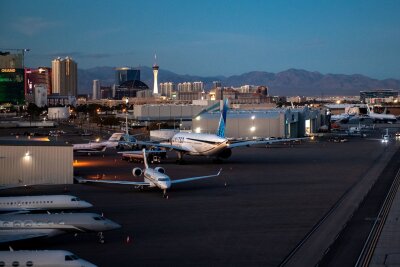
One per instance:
(35, 162)
(249, 124)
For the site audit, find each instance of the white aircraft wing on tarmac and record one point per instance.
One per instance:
(262, 142)
(177, 181)
(82, 181)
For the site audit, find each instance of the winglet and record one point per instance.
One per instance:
(146, 165)
(11, 249)
(219, 171)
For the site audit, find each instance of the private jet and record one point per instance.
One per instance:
(16, 227)
(42, 258)
(152, 178)
(41, 203)
(377, 117)
(97, 146)
(210, 145)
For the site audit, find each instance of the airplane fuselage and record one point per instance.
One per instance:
(199, 144)
(49, 202)
(157, 179)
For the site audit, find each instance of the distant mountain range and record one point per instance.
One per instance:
(291, 82)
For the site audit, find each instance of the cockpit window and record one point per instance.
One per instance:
(163, 179)
(75, 199)
(71, 257)
(99, 218)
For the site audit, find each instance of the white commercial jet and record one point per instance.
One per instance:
(42, 203)
(98, 147)
(377, 117)
(42, 258)
(17, 227)
(211, 145)
(152, 177)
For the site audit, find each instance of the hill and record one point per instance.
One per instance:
(289, 82)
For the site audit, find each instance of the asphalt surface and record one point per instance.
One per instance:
(263, 204)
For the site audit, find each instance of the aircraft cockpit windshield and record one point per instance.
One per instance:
(71, 257)
(75, 199)
(97, 218)
(163, 179)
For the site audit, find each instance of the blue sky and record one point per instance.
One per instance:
(210, 37)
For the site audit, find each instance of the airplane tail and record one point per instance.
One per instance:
(222, 119)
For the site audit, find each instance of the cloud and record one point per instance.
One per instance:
(31, 26)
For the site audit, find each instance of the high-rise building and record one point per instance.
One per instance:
(167, 88)
(155, 73)
(216, 84)
(41, 75)
(125, 74)
(96, 89)
(64, 76)
(12, 77)
(185, 87)
(40, 95)
(197, 87)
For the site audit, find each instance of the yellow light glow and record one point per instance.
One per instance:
(252, 128)
(253, 117)
(198, 130)
(198, 118)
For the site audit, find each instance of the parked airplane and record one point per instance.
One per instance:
(152, 177)
(98, 147)
(45, 202)
(42, 258)
(380, 117)
(211, 145)
(17, 227)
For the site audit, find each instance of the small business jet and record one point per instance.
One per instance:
(210, 145)
(41, 203)
(98, 147)
(377, 117)
(16, 227)
(42, 258)
(152, 177)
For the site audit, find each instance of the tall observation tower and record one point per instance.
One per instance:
(155, 72)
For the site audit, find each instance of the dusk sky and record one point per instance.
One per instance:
(210, 37)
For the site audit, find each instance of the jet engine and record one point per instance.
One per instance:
(159, 169)
(226, 153)
(137, 171)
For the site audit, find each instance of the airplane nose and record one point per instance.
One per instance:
(86, 204)
(110, 225)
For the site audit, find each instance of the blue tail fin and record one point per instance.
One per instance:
(222, 119)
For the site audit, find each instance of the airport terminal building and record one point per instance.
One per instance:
(249, 124)
(35, 162)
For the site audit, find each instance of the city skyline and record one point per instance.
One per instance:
(210, 38)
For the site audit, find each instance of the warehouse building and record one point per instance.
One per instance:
(35, 162)
(250, 124)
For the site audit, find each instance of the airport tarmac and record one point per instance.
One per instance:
(263, 204)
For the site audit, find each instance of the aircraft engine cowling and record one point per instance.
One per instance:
(137, 171)
(226, 153)
(160, 169)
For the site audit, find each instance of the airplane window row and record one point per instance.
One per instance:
(16, 263)
(26, 223)
(26, 203)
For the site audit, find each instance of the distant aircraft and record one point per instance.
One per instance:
(137, 155)
(211, 145)
(152, 177)
(40, 203)
(380, 117)
(17, 227)
(41, 258)
(98, 147)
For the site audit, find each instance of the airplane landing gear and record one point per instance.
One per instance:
(165, 194)
(101, 237)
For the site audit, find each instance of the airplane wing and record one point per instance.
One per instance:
(82, 181)
(259, 142)
(92, 150)
(195, 178)
(140, 152)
